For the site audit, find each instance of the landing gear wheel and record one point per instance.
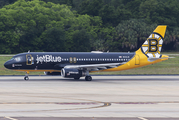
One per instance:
(88, 78)
(26, 78)
(77, 78)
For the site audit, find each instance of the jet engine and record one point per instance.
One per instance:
(72, 73)
(52, 73)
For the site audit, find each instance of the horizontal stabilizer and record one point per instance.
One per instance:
(153, 59)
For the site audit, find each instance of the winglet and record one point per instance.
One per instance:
(161, 30)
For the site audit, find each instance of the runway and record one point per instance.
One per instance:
(135, 97)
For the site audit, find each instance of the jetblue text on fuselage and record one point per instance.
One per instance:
(48, 58)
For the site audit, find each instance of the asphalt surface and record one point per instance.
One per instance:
(82, 118)
(105, 98)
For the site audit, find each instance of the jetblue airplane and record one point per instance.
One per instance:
(79, 64)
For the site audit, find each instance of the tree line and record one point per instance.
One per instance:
(85, 25)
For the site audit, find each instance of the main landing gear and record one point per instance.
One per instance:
(26, 76)
(88, 78)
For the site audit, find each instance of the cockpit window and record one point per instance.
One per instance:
(17, 59)
(12, 59)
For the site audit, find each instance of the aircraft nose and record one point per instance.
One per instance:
(7, 65)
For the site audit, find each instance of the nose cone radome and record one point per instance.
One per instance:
(7, 65)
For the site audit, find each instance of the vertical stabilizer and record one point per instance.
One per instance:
(153, 45)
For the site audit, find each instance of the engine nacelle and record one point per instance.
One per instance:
(72, 73)
(52, 73)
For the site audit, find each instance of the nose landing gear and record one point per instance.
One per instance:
(26, 76)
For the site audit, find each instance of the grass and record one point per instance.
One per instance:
(170, 66)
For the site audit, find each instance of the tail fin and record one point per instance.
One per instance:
(153, 45)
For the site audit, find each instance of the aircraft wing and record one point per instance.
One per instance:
(95, 67)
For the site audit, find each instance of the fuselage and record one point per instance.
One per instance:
(55, 61)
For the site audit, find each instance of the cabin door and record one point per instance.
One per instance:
(29, 59)
(137, 60)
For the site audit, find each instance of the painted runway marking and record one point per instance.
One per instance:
(58, 103)
(142, 118)
(10, 118)
(89, 103)
(97, 105)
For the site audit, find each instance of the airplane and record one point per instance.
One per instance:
(80, 64)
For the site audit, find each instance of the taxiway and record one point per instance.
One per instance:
(106, 97)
